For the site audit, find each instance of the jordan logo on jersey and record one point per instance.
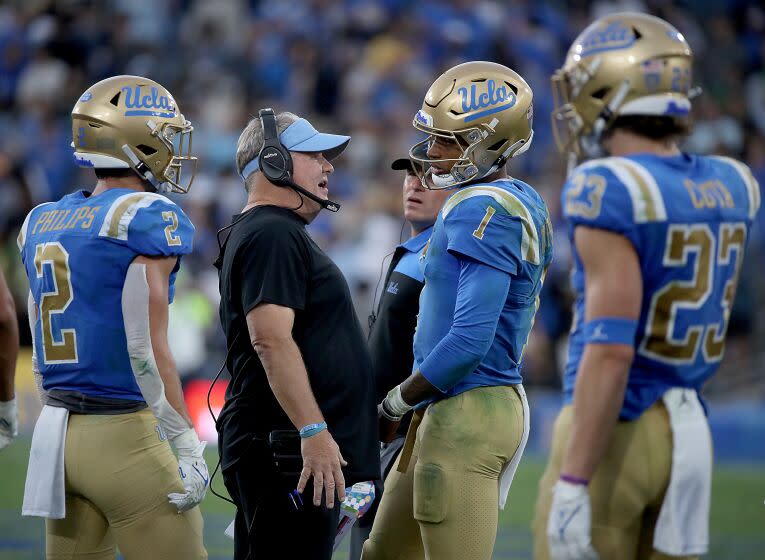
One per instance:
(598, 333)
(392, 288)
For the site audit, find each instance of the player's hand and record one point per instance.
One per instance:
(9, 422)
(322, 460)
(193, 471)
(388, 424)
(569, 524)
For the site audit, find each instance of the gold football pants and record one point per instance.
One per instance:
(626, 491)
(118, 475)
(445, 505)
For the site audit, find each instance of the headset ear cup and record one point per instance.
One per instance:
(274, 165)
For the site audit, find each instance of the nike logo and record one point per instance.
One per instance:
(565, 523)
(200, 474)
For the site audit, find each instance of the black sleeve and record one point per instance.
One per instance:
(274, 266)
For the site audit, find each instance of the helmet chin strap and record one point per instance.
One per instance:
(145, 173)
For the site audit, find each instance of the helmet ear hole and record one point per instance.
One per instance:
(601, 93)
(146, 150)
(496, 146)
(116, 99)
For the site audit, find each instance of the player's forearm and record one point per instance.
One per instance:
(145, 315)
(9, 348)
(454, 357)
(172, 382)
(598, 398)
(288, 379)
(416, 388)
(481, 295)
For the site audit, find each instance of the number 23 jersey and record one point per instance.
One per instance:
(688, 218)
(76, 253)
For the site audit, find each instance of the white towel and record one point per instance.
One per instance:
(683, 525)
(508, 471)
(229, 532)
(44, 491)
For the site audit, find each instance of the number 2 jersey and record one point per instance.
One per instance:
(688, 218)
(76, 253)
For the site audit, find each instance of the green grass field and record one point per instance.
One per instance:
(737, 524)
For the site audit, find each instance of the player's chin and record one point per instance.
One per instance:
(412, 208)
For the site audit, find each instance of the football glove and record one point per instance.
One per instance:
(569, 523)
(9, 422)
(193, 471)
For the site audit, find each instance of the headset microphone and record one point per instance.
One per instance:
(326, 204)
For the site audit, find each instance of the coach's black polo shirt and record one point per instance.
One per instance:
(270, 258)
(391, 335)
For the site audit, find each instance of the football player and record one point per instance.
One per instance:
(483, 268)
(101, 268)
(9, 349)
(658, 237)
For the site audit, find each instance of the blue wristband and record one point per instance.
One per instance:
(312, 429)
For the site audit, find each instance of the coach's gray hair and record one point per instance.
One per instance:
(251, 141)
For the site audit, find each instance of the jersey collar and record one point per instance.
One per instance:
(416, 243)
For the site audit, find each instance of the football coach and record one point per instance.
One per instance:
(301, 410)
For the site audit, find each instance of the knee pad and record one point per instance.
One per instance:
(431, 496)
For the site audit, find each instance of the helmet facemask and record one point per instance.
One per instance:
(182, 164)
(479, 156)
(462, 168)
(574, 132)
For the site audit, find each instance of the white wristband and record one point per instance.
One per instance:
(395, 402)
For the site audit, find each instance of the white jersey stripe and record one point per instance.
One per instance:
(123, 210)
(752, 187)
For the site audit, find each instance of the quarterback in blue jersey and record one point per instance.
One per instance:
(659, 237)
(483, 267)
(101, 268)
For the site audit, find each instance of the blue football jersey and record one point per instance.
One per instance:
(76, 253)
(504, 224)
(688, 218)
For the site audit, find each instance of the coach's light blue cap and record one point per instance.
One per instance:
(301, 136)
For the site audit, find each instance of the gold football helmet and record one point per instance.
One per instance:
(484, 107)
(133, 122)
(622, 64)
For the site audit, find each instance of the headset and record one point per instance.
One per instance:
(275, 161)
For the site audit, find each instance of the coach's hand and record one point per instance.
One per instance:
(322, 460)
(193, 471)
(569, 524)
(9, 422)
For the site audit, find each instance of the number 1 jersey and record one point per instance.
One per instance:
(688, 218)
(76, 253)
(504, 224)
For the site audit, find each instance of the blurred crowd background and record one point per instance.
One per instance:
(358, 67)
